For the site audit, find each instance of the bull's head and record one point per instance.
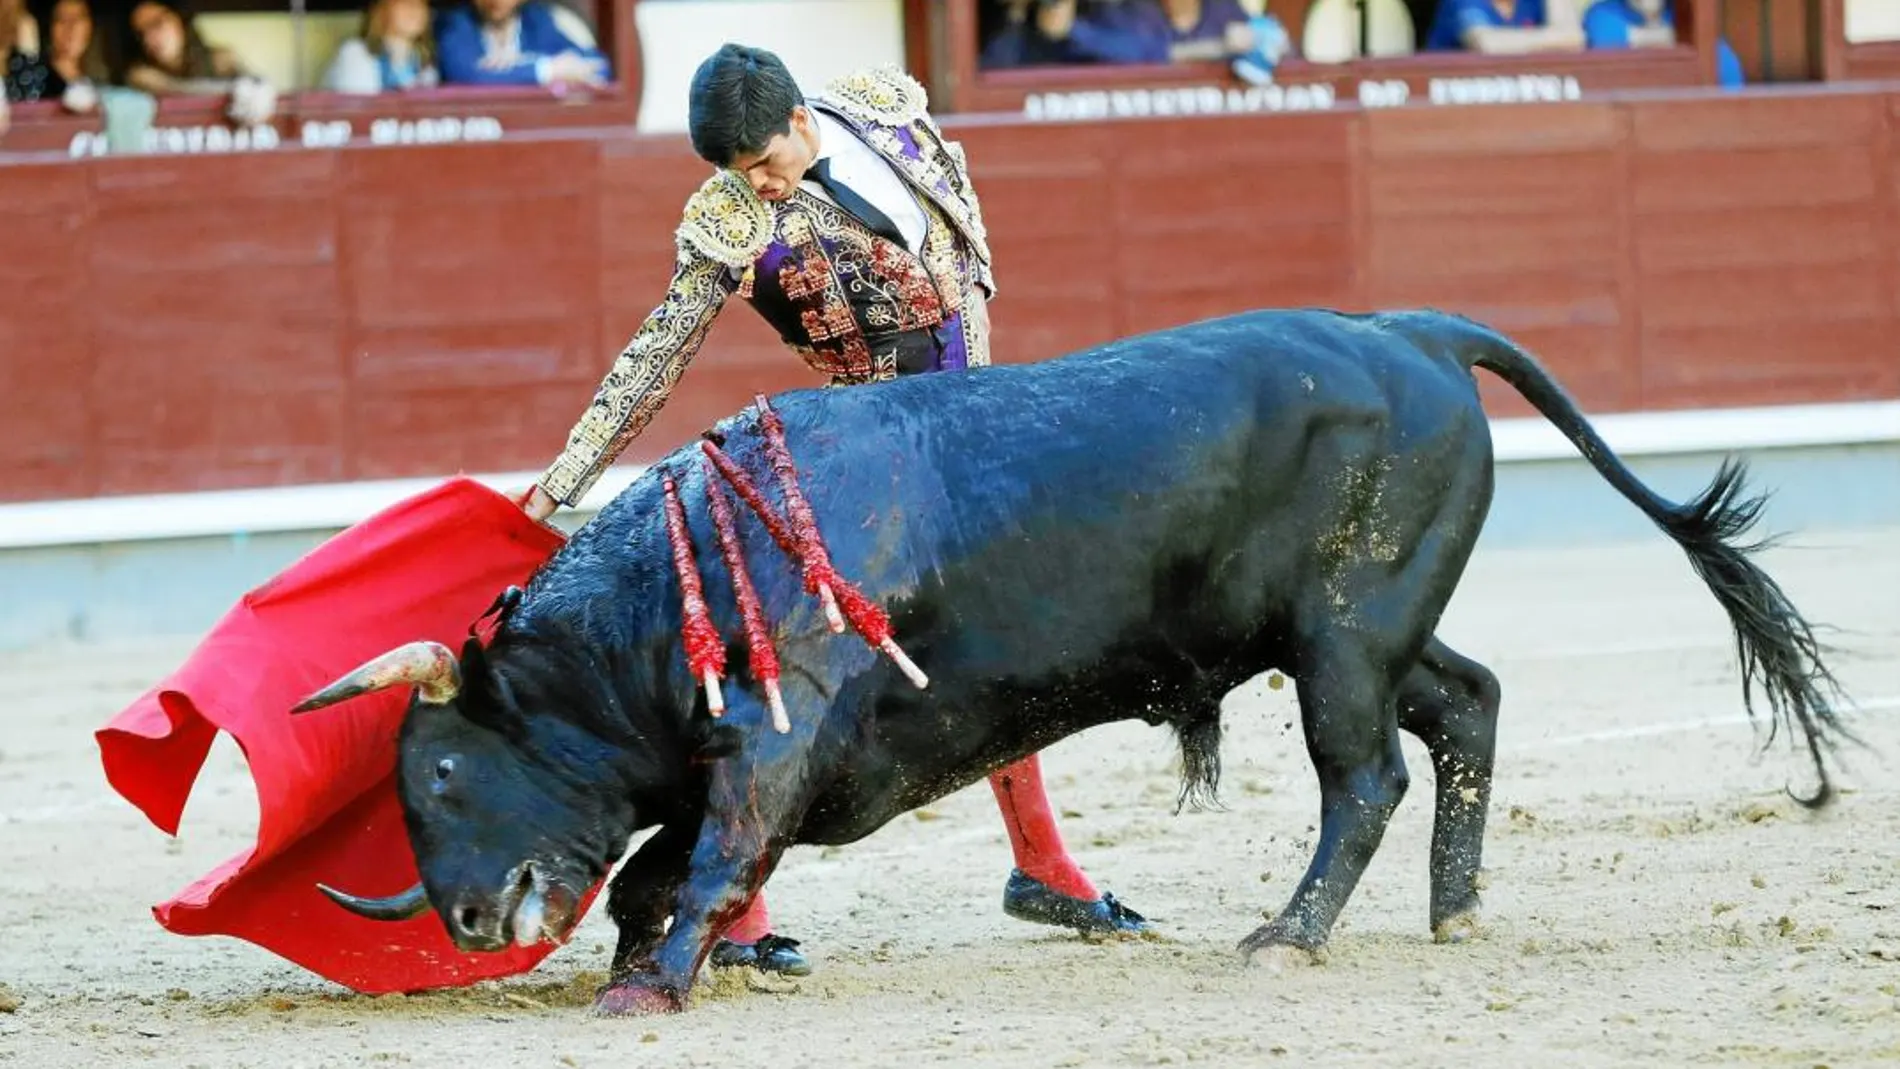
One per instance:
(505, 807)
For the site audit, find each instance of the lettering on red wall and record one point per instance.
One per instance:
(1505, 89)
(443, 130)
(1095, 104)
(180, 140)
(1187, 100)
(313, 133)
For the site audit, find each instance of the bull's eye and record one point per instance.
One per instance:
(444, 768)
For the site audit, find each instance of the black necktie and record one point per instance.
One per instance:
(850, 201)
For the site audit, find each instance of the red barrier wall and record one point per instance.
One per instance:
(297, 315)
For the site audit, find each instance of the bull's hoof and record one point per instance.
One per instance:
(1280, 958)
(1277, 949)
(1028, 899)
(633, 998)
(1460, 927)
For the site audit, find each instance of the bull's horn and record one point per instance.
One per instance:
(394, 908)
(429, 665)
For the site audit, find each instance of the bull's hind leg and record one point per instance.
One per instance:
(1346, 706)
(1451, 703)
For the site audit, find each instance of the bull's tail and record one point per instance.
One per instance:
(1776, 645)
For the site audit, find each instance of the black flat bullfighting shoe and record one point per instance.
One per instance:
(1028, 899)
(772, 953)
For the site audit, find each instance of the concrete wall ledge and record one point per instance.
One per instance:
(334, 506)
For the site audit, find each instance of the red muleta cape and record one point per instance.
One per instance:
(424, 568)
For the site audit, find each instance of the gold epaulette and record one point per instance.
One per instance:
(725, 221)
(879, 96)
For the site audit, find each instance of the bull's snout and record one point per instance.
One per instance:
(478, 921)
(475, 924)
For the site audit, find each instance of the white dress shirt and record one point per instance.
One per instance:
(859, 166)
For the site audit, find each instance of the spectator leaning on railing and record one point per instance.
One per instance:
(169, 58)
(75, 64)
(19, 36)
(1650, 24)
(1060, 32)
(512, 42)
(1201, 29)
(1039, 32)
(1505, 27)
(396, 51)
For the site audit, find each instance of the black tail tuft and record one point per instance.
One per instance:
(1780, 657)
(1200, 761)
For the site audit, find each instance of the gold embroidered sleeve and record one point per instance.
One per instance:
(956, 171)
(642, 376)
(966, 189)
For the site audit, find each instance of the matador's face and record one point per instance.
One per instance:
(775, 170)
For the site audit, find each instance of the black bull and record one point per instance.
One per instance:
(1127, 533)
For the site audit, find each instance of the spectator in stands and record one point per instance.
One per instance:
(1129, 31)
(1064, 32)
(1238, 31)
(396, 51)
(514, 42)
(1206, 29)
(169, 58)
(1649, 24)
(75, 64)
(1505, 27)
(25, 73)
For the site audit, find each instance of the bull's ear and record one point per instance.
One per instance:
(504, 605)
(495, 617)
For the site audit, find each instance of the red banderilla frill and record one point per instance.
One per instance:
(808, 545)
(763, 658)
(799, 540)
(705, 653)
(749, 493)
(869, 619)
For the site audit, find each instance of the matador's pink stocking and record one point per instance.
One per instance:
(753, 925)
(1033, 835)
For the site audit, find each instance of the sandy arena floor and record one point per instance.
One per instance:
(1654, 899)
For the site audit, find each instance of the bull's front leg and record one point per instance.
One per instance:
(644, 891)
(755, 799)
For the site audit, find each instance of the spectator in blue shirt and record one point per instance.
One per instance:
(1204, 29)
(1649, 24)
(1060, 32)
(1498, 27)
(513, 42)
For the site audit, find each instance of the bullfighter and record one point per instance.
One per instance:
(849, 222)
